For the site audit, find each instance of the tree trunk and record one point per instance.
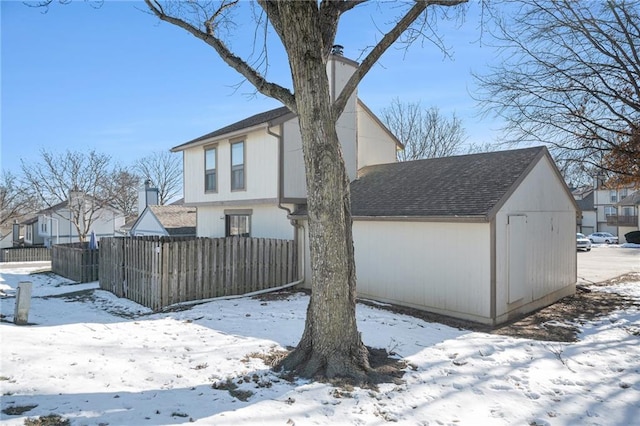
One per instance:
(331, 345)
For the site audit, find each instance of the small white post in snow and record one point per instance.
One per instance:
(23, 302)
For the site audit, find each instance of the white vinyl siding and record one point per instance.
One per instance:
(375, 146)
(294, 183)
(548, 243)
(441, 267)
(267, 221)
(260, 171)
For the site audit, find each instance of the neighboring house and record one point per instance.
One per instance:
(245, 178)
(587, 216)
(54, 225)
(605, 201)
(147, 195)
(484, 237)
(32, 235)
(171, 220)
(10, 234)
(628, 215)
(6, 239)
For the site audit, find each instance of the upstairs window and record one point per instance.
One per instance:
(613, 196)
(237, 166)
(210, 177)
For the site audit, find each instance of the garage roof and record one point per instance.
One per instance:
(464, 186)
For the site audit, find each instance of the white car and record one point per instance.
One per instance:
(582, 242)
(603, 237)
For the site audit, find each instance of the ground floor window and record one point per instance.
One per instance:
(238, 225)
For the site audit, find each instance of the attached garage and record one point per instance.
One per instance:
(484, 237)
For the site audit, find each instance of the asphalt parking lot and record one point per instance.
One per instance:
(605, 262)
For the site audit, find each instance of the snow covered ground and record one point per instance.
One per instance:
(98, 360)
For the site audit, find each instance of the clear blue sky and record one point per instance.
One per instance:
(117, 80)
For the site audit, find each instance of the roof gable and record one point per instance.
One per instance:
(65, 204)
(586, 203)
(631, 200)
(452, 187)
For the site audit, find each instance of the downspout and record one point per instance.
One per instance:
(280, 165)
(294, 222)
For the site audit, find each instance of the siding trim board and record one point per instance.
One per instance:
(492, 271)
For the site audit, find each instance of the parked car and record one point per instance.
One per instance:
(632, 237)
(603, 237)
(582, 242)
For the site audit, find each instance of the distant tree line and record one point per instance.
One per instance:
(93, 175)
(427, 132)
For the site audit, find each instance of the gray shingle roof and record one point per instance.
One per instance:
(254, 120)
(177, 220)
(458, 186)
(631, 200)
(586, 204)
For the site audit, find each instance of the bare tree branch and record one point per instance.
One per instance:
(382, 46)
(570, 79)
(425, 133)
(263, 86)
(82, 180)
(164, 170)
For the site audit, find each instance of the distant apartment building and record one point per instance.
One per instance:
(612, 214)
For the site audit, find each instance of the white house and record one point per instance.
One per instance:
(247, 177)
(611, 216)
(628, 215)
(55, 225)
(483, 237)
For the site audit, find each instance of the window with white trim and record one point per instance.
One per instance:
(613, 196)
(237, 166)
(210, 170)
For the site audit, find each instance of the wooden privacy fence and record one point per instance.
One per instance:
(75, 261)
(25, 254)
(159, 271)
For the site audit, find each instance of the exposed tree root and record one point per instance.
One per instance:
(365, 368)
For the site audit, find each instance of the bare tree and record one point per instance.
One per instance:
(330, 345)
(569, 77)
(15, 200)
(124, 191)
(425, 133)
(82, 180)
(164, 170)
